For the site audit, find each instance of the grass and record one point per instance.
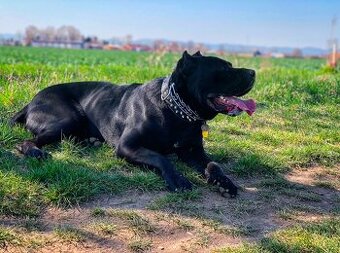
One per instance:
(317, 238)
(98, 212)
(7, 237)
(139, 245)
(223, 229)
(69, 234)
(105, 228)
(19, 196)
(174, 200)
(296, 125)
(138, 223)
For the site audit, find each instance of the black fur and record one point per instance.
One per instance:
(134, 119)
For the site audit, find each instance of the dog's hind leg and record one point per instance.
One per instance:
(48, 135)
(52, 134)
(50, 126)
(29, 148)
(19, 117)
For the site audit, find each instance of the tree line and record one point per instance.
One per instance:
(65, 33)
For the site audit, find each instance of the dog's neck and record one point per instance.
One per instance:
(176, 104)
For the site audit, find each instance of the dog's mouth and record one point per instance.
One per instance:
(232, 105)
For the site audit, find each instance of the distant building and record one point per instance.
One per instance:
(278, 55)
(58, 44)
(140, 48)
(113, 47)
(15, 41)
(92, 43)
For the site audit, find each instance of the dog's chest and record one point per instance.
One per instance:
(185, 137)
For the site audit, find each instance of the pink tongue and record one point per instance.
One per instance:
(249, 106)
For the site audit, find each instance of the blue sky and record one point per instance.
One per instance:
(296, 23)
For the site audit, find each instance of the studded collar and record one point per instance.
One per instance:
(175, 103)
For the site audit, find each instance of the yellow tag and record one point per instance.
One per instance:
(205, 130)
(205, 134)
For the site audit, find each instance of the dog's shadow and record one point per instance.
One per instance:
(266, 202)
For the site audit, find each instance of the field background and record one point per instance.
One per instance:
(285, 158)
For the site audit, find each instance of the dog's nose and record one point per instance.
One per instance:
(251, 72)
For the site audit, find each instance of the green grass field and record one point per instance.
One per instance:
(285, 158)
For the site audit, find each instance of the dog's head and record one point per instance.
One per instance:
(211, 85)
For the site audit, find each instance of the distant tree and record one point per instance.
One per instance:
(88, 39)
(68, 33)
(49, 33)
(200, 47)
(31, 33)
(73, 33)
(257, 53)
(297, 53)
(62, 34)
(174, 47)
(158, 45)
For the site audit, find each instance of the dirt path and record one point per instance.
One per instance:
(153, 222)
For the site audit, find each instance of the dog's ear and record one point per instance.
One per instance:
(198, 53)
(184, 67)
(186, 56)
(186, 64)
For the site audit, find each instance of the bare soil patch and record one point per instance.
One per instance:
(127, 223)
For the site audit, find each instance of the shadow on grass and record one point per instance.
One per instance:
(27, 185)
(13, 238)
(75, 175)
(267, 201)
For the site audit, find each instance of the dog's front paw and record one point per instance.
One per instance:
(177, 182)
(215, 176)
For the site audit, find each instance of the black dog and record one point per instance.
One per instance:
(145, 122)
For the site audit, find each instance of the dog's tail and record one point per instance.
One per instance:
(19, 117)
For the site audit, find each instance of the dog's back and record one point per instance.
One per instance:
(68, 110)
(70, 93)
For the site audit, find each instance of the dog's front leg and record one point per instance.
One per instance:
(194, 157)
(138, 155)
(197, 158)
